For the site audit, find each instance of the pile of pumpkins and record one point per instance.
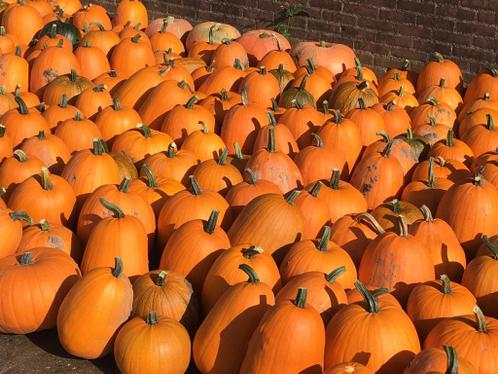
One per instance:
(192, 199)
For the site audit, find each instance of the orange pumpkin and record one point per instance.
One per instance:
(16, 169)
(130, 55)
(50, 149)
(12, 227)
(437, 360)
(22, 20)
(438, 68)
(77, 133)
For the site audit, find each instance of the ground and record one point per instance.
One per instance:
(42, 353)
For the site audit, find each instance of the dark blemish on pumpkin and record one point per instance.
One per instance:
(50, 74)
(56, 242)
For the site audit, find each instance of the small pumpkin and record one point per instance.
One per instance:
(77, 133)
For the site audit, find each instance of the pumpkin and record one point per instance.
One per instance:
(315, 212)
(387, 348)
(261, 87)
(396, 250)
(478, 198)
(437, 360)
(189, 205)
(452, 149)
(5, 144)
(379, 177)
(302, 120)
(50, 236)
(402, 71)
(55, 114)
(479, 278)
(16, 169)
(77, 133)
(169, 294)
(279, 223)
(273, 59)
(219, 31)
(89, 169)
(12, 224)
(204, 49)
(132, 11)
(70, 85)
(275, 166)
(358, 74)
(318, 255)
(452, 170)
(155, 189)
(50, 149)
(348, 367)
(231, 322)
(227, 78)
(438, 68)
(164, 40)
(284, 321)
(93, 100)
(227, 54)
(326, 294)
(14, 70)
(45, 272)
(165, 339)
(66, 29)
(345, 97)
(481, 138)
(87, 17)
(432, 302)
(258, 43)
(396, 120)
(369, 121)
(125, 166)
(219, 104)
(297, 94)
(387, 214)
(353, 233)
(318, 80)
(442, 93)
(480, 84)
(442, 113)
(194, 260)
(101, 38)
(7, 41)
(177, 26)
(22, 20)
(45, 196)
(284, 140)
(172, 164)
(22, 123)
(478, 117)
(130, 55)
(50, 64)
(205, 144)
(465, 333)
(394, 83)
(79, 322)
(483, 102)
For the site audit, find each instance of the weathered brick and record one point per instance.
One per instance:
(360, 10)
(375, 24)
(476, 28)
(392, 15)
(424, 6)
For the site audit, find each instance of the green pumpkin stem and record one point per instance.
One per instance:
(304, 81)
(251, 176)
(333, 275)
(359, 69)
(271, 139)
(151, 179)
(44, 225)
(404, 65)
(46, 183)
(196, 189)
(210, 224)
(251, 252)
(20, 215)
(385, 136)
(292, 197)
(26, 258)
(436, 56)
(18, 52)
(337, 116)
(396, 206)
(315, 190)
(362, 85)
(432, 101)
(113, 208)
(116, 104)
(324, 240)
(446, 284)
(387, 150)
(23, 108)
(77, 116)
(118, 267)
(124, 185)
(190, 103)
(274, 105)
(426, 212)
(21, 156)
(442, 82)
(482, 326)
(152, 318)
(449, 138)
(325, 107)
(490, 247)
(238, 64)
(146, 131)
(271, 118)
(243, 97)
(431, 182)
(371, 221)
(301, 296)
(317, 139)
(389, 106)
(311, 67)
(135, 38)
(160, 279)
(171, 152)
(238, 151)
(223, 157)
(335, 179)
(73, 75)
(396, 76)
(251, 273)
(2, 131)
(369, 297)
(98, 148)
(490, 123)
(451, 360)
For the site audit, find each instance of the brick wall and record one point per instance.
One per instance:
(382, 32)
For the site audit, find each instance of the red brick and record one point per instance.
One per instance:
(423, 6)
(476, 28)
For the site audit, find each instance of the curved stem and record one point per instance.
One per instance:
(23, 108)
(238, 151)
(20, 214)
(447, 290)
(292, 197)
(223, 157)
(324, 241)
(436, 56)
(366, 217)
(302, 86)
(481, 320)
(369, 297)
(490, 247)
(124, 185)
(190, 103)
(451, 360)
(251, 273)
(251, 176)
(196, 189)
(315, 190)
(385, 136)
(426, 212)
(115, 210)
(332, 276)
(335, 179)
(160, 280)
(402, 226)
(46, 183)
(21, 156)
(151, 179)
(118, 267)
(317, 139)
(152, 318)
(271, 118)
(210, 224)
(301, 296)
(387, 150)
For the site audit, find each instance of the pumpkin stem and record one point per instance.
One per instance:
(118, 267)
(18, 52)
(478, 180)
(262, 70)
(311, 67)
(98, 149)
(325, 107)
(302, 86)
(274, 105)
(369, 297)
(362, 85)
(223, 157)
(490, 246)
(486, 96)
(271, 139)
(44, 225)
(389, 106)
(26, 258)
(482, 326)
(77, 116)
(447, 290)
(426, 212)
(436, 56)
(116, 105)
(21, 156)
(253, 277)
(42, 107)
(385, 136)
(324, 241)
(334, 180)
(317, 139)
(442, 82)
(224, 95)
(337, 116)
(252, 251)
(145, 130)
(210, 224)
(190, 103)
(238, 151)
(387, 150)
(431, 178)
(53, 31)
(271, 118)
(404, 65)
(369, 219)
(301, 296)
(493, 71)
(135, 38)
(115, 210)
(332, 276)
(432, 101)
(396, 76)
(449, 138)
(292, 197)
(396, 206)
(298, 103)
(152, 318)
(46, 183)
(490, 122)
(23, 108)
(73, 75)
(160, 280)
(113, 74)
(441, 161)
(171, 152)
(151, 179)
(322, 44)
(315, 190)
(124, 185)
(251, 176)
(212, 29)
(243, 96)
(20, 214)
(99, 88)
(451, 360)
(402, 226)
(2, 30)
(2, 131)
(238, 65)
(196, 189)
(432, 120)
(401, 91)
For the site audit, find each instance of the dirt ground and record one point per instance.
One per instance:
(42, 353)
